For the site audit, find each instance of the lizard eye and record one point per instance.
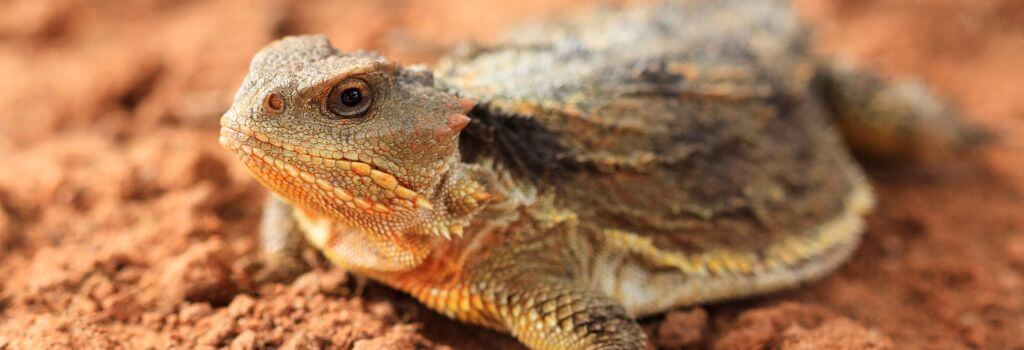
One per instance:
(350, 98)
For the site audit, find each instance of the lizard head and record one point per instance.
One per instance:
(350, 136)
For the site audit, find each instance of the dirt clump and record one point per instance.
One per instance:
(682, 329)
(797, 326)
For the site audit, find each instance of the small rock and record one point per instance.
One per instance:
(298, 304)
(121, 307)
(98, 286)
(382, 309)
(6, 236)
(301, 341)
(682, 329)
(333, 281)
(83, 304)
(244, 341)
(837, 333)
(216, 334)
(242, 305)
(305, 285)
(191, 313)
(1014, 248)
(760, 328)
(797, 326)
(152, 319)
(184, 169)
(401, 337)
(201, 274)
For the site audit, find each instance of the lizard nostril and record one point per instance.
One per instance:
(273, 102)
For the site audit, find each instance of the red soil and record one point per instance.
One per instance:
(123, 224)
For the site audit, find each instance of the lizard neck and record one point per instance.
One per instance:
(362, 251)
(464, 196)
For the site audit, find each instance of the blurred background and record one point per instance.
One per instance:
(123, 223)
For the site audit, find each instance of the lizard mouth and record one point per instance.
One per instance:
(280, 156)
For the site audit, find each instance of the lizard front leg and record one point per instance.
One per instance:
(555, 314)
(542, 311)
(529, 286)
(281, 243)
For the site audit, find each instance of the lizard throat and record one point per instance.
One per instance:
(265, 157)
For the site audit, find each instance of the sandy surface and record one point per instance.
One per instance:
(123, 224)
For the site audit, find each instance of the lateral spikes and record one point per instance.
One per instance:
(447, 230)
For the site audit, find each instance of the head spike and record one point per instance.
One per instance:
(457, 122)
(466, 104)
(456, 229)
(443, 232)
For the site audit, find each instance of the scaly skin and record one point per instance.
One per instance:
(622, 179)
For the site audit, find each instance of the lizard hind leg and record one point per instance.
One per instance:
(281, 243)
(892, 120)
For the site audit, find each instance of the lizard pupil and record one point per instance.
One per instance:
(351, 97)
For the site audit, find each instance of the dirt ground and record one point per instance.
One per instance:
(124, 225)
